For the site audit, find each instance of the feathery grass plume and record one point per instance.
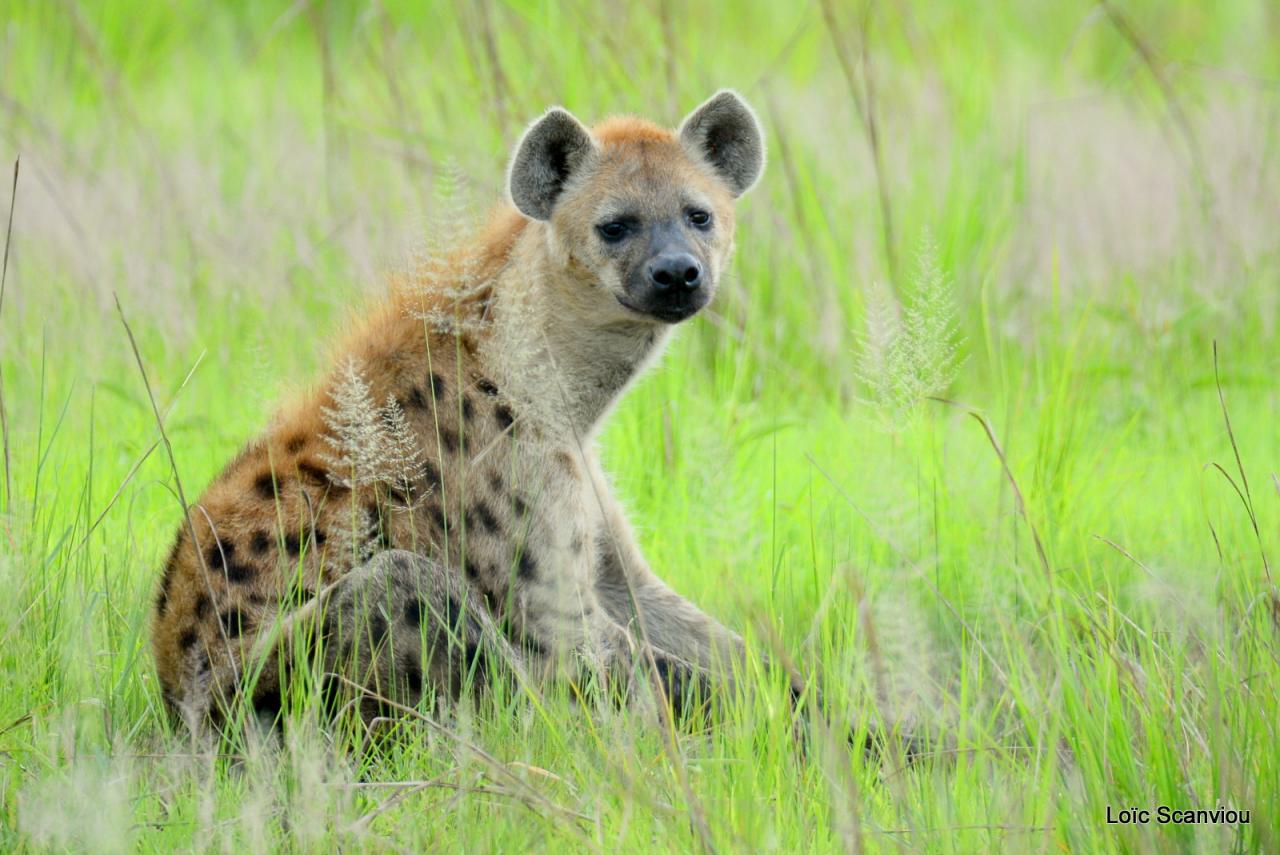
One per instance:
(453, 213)
(404, 455)
(908, 649)
(371, 445)
(910, 352)
(354, 430)
(442, 268)
(81, 806)
(930, 325)
(879, 361)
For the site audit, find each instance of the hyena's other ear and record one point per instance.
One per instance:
(548, 153)
(725, 132)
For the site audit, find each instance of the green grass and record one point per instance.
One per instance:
(196, 163)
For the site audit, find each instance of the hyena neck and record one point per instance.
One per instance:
(569, 366)
(598, 363)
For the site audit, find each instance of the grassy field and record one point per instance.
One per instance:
(1061, 217)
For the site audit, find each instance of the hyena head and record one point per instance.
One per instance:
(640, 217)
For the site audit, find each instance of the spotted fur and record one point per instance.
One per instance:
(510, 543)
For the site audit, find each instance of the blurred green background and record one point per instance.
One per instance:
(1048, 211)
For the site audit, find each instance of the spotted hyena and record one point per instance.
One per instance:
(439, 498)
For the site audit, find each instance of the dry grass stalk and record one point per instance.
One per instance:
(862, 90)
(4, 279)
(498, 77)
(334, 141)
(180, 492)
(1173, 103)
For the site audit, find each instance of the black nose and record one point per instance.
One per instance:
(679, 271)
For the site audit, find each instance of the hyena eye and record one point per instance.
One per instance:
(612, 232)
(699, 219)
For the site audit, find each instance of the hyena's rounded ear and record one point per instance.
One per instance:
(548, 153)
(725, 133)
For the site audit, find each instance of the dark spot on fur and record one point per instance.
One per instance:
(453, 615)
(260, 543)
(414, 673)
(234, 622)
(484, 515)
(502, 413)
(486, 385)
(413, 612)
(469, 568)
(268, 702)
(220, 553)
(377, 629)
(315, 474)
(448, 439)
(202, 606)
(495, 481)
(430, 474)
(468, 408)
(295, 444)
(292, 545)
(239, 573)
(401, 497)
(188, 639)
(257, 600)
(222, 557)
(319, 536)
(520, 507)
(671, 679)
(264, 486)
(527, 567)
(415, 400)
(437, 386)
(476, 659)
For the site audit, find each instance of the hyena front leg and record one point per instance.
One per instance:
(402, 626)
(588, 645)
(634, 595)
